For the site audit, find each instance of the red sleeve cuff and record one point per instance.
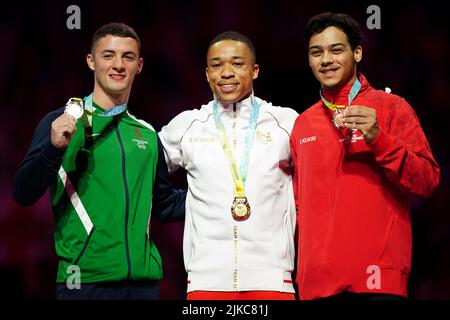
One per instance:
(382, 144)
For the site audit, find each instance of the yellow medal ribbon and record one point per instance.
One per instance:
(235, 172)
(352, 95)
(239, 174)
(332, 106)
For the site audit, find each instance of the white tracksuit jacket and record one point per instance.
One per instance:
(221, 254)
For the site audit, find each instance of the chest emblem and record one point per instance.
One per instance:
(263, 137)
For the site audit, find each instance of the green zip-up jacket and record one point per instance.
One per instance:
(104, 187)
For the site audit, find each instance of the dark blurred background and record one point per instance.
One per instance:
(43, 64)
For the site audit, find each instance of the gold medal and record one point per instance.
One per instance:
(240, 209)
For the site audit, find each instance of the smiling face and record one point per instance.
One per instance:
(115, 62)
(231, 70)
(332, 60)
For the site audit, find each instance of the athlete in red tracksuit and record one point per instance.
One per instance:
(353, 180)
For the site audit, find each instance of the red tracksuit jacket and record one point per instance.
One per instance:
(352, 198)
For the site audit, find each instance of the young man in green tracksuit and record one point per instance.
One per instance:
(107, 174)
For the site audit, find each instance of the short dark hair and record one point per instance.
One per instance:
(342, 21)
(235, 36)
(115, 29)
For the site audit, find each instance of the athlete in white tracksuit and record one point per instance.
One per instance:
(264, 242)
(222, 254)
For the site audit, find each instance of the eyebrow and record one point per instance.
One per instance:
(332, 46)
(112, 51)
(233, 57)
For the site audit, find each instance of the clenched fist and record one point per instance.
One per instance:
(63, 129)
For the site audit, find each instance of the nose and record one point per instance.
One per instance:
(118, 64)
(327, 58)
(227, 71)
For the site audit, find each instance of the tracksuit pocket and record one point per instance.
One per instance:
(387, 237)
(86, 243)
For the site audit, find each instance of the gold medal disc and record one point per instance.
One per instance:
(240, 209)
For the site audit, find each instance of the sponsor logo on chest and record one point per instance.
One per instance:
(141, 144)
(202, 139)
(263, 137)
(308, 139)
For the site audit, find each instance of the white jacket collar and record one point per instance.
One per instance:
(245, 104)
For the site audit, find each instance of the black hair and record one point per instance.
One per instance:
(235, 36)
(115, 29)
(342, 21)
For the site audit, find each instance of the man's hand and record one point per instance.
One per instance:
(363, 119)
(63, 129)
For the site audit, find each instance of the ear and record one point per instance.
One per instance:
(207, 76)
(255, 71)
(140, 66)
(90, 61)
(357, 54)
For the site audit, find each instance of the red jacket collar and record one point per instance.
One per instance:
(340, 95)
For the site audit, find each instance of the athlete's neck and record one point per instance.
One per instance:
(234, 104)
(108, 101)
(339, 90)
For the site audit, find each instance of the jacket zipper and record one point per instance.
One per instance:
(127, 204)
(235, 270)
(235, 234)
(234, 127)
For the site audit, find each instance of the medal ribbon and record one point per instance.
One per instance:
(89, 109)
(351, 96)
(239, 175)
